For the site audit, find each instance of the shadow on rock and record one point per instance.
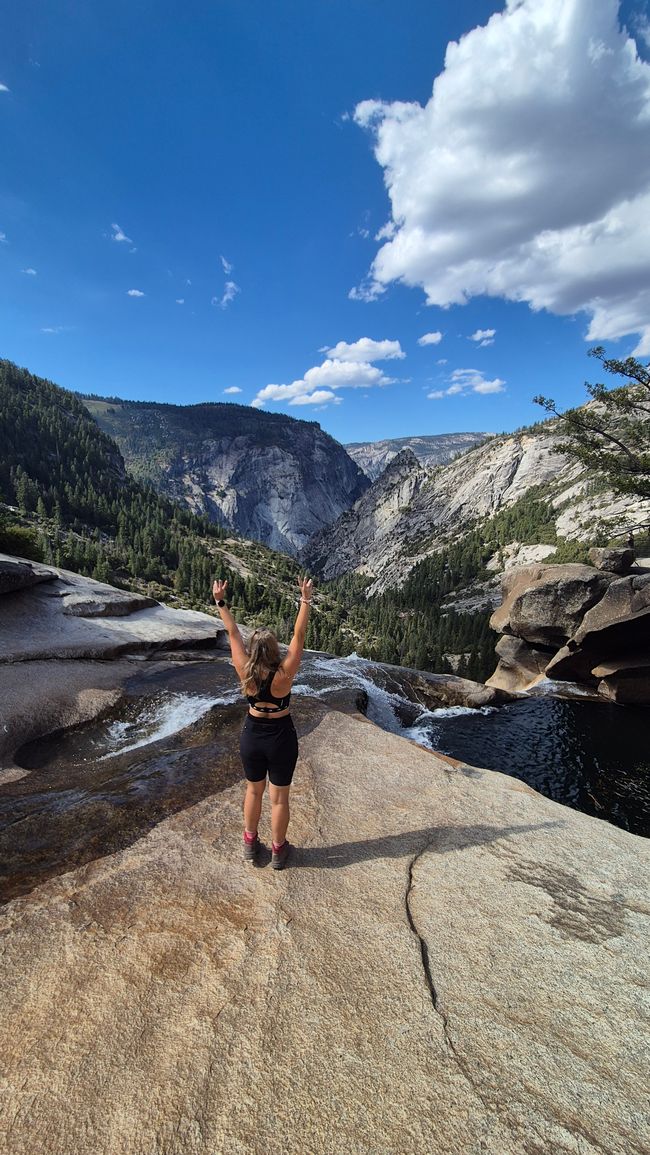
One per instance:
(409, 843)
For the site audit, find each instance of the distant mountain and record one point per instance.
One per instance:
(264, 475)
(430, 450)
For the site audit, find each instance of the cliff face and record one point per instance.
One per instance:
(266, 476)
(469, 490)
(430, 450)
(365, 534)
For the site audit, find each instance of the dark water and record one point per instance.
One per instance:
(593, 757)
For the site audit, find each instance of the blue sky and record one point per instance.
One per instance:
(236, 195)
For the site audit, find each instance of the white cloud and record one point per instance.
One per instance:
(641, 26)
(134, 293)
(527, 174)
(229, 294)
(180, 300)
(332, 375)
(468, 381)
(3, 239)
(29, 272)
(53, 329)
(3, 88)
(226, 265)
(430, 339)
(232, 389)
(320, 397)
(365, 349)
(119, 235)
(483, 337)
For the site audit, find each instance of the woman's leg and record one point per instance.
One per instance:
(253, 804)
(279, 796)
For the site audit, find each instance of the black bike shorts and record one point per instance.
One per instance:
(269, 746)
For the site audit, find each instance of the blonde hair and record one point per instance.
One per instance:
(263, 657)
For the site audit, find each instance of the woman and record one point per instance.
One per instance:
(268, 743)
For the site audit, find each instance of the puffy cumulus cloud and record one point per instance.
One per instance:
(319, 384)
(468, 381)
(430, 339)
(526, 176)
(365, 349)
(232, 389)
(134, 293)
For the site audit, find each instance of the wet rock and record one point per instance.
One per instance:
(617, 561)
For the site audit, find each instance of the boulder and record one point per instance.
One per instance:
(520, 665)
(617, 561)
(546, 604)
(626, 681)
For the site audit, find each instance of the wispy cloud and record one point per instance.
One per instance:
(180, 300)
(134, 293)
(120, 236)
(430, 338)
(465, 381)
(483, 337)
(3, 239)
(544, 196)
(29, 272)
(365, 349)
(232, 389)
(226, 266)
(230, 292)
(54, 329)
(3, 88)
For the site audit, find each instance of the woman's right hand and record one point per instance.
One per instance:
(306, 588)
(219, 590)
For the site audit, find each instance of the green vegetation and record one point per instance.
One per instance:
(612, 437)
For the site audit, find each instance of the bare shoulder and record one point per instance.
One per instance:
(282, 680)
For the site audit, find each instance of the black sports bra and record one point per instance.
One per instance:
(264, 695)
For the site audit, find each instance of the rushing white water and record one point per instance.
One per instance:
(162, 716)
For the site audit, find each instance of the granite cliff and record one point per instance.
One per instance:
(453, 964)
(264, 475)
(376, 538)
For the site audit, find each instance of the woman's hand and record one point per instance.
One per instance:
(219, 590)
(306, 588)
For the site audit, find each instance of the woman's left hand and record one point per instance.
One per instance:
(219, 590)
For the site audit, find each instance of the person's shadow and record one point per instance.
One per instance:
(409, 843)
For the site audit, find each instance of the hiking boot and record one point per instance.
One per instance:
(251, 850)
(279, 857)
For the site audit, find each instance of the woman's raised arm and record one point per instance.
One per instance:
(237, 647)
(293, 657)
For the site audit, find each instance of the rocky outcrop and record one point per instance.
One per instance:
(377, 995)
(264, 475)
(578, 624)
(613, 560)
(430, 450)
(58, 618)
